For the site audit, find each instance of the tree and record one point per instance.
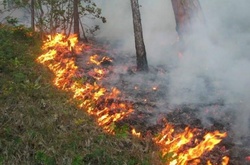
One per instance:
(142, 64)
(187, 12)
(52, 16)
(76, 18)
(32, 4)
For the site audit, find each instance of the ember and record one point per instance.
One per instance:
(179, 147)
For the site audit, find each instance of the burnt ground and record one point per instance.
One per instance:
(149, 95)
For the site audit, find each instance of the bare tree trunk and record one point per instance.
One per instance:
(83, 31)
(70, 25)
(187, 13)
(76, 19)
(33, 15)
(52, 10)
(40, 19)
(142, 64)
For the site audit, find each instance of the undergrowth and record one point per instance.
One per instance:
(38, 123)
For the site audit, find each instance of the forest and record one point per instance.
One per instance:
(120, 82)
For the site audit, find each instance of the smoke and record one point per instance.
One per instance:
(215, 67)
(158, 26)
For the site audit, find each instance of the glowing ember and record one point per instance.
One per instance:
(155, 88)
(106, 105)
(248, 158)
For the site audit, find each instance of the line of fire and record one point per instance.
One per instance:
(179, 145)
(85, 70)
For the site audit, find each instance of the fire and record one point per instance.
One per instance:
(95, 99)
(95, 59)
(225, 160)
(135, 133)
(180, 148)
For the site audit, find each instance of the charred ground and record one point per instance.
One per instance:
(149, 95)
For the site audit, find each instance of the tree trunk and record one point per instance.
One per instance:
(187, 14)
(83, 32)
(52, 10)
(33, 15)
(142, 64)
(40, 19)
(76, 18)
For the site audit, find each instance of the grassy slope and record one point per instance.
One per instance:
(39, 125)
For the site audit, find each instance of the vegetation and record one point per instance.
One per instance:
(51, 16)
(40, 125)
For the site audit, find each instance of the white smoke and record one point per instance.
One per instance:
(216, 64)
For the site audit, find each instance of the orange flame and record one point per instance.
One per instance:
(106, 105)
(225, 160)
(175, 145)
(135, 133)
(60, 60)
(94, 59)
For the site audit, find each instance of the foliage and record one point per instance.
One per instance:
(53, 15)
(11, 20)
(12, 4)
(121, 131)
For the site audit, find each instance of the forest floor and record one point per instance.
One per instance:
(149, 95)
(39, 124)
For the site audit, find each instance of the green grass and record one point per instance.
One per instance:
(38, 123)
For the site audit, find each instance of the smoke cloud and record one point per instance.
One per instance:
(216, 64)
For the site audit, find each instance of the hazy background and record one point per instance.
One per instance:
(216, 65)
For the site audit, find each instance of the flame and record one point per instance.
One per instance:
(225, 160)
(135, 133)
(108, 107)
(95, 99)
(175, 145)
(95, 59)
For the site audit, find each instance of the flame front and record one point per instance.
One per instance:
(181, 148)
(95, 99)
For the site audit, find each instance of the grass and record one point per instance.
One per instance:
(38, 123)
